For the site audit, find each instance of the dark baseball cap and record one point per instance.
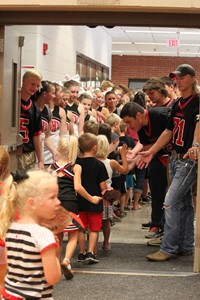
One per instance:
(183, 70)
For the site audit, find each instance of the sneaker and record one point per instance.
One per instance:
(155, 242)
(127, 208)
(96, 259)
(81, 257)
(90, 258)
(144, 200)
(149, 224)
(153, 231)
(160, 256)
(123, 214)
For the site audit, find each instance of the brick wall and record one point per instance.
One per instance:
(139, 67)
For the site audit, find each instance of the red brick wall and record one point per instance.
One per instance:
(130, 67)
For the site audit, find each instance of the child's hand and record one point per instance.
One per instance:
(123, 149)
(96, 199)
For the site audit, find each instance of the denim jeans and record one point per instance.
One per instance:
(179, 209)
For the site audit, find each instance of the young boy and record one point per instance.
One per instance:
(94, 176)
(118, 180)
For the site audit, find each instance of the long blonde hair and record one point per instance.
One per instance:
(102, 146)
(4, 163)
(68, 148)
(16, 191)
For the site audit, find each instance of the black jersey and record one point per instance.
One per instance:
(30, 124)
(157, 122)
(67, 194)
(74, 109)
(56, 120)
(182, 122)
(93, 173)
(46, 118)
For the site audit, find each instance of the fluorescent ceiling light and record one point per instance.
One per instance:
(192, 45)
(121, 43)
(191, 32)
(118, 51)
(153, 31)
(158, 52)
(144, 43)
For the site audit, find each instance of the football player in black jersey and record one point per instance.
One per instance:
(178, 236)
(30, 122)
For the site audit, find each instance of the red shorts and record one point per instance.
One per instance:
(93, 221)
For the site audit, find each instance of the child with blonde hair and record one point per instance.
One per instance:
(110, 164)
(69, 182)
(32, 263)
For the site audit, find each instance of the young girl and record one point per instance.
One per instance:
(97, 104)
(4, 173)
(75, 107)
(86, 100)
(32, 264)
(69, 182)
(110, 164)
(43, 98)
(58, 123)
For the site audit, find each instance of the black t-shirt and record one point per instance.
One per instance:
(182, 122)
(157, 122)
(93, 173)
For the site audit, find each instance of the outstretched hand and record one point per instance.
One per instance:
(144, 160)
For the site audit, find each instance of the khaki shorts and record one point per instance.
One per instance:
(27, 160)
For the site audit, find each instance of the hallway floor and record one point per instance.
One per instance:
(125, 273)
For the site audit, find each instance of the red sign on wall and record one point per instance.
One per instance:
(172, 43)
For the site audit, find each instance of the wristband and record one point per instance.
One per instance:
(195, 144)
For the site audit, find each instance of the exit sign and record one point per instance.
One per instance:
(172, 43)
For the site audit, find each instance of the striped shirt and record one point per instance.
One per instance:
(25, 276)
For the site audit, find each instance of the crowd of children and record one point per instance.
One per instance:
(88, 153)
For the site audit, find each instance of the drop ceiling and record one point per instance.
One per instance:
(155, 41)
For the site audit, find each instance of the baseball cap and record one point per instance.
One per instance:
(183, 70)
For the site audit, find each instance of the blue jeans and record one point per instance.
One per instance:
(179, 209)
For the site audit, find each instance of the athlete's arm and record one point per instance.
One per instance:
(161, 142)
(63, 117)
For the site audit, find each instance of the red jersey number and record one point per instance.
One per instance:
(178, 131)
(24, 129)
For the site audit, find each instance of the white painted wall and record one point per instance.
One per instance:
(63, 44)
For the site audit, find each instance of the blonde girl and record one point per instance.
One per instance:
(32, 263)
(111, 165)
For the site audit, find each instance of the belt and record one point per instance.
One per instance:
(176, 155)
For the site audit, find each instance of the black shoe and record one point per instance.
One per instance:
(90, 258)
(144, 200)
(149, 224)
(96, 259)
(81, 257)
